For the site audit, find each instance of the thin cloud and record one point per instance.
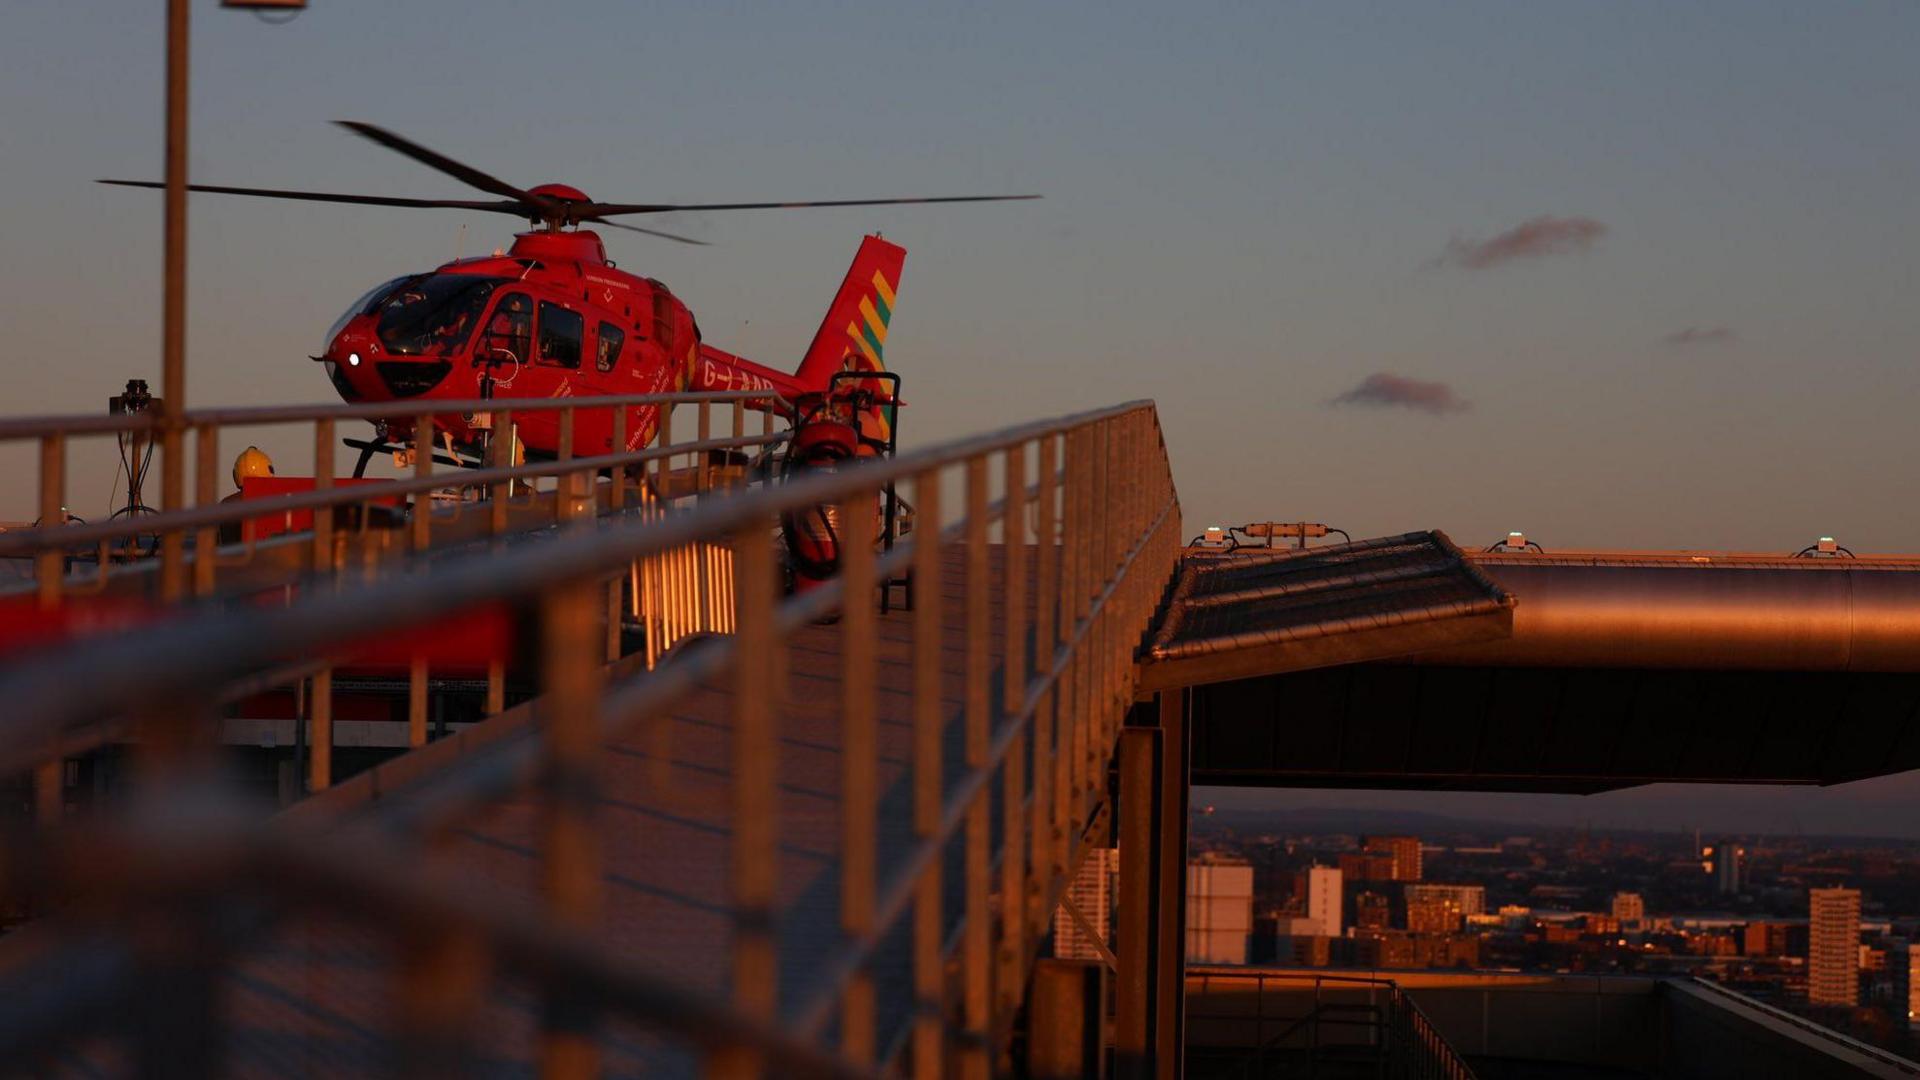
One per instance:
(1696, 335)
(1384, 389)
(1532, 239)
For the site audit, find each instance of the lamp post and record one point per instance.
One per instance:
(173, 304)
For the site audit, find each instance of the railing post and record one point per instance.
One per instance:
(320, 728)
(50, 565)
(1046, 841)
(755, 853)
(1093, 752)
(859, 767)
(928, 716)
(617, 498)
(320, 714)
(1068, 704)
(566, 485)
(1013, 862)
(500, 451)
(496, 686)
(417, 699)
(663, 471)
(703, 479)
(615, 610)
(1169, 1017)
(1140, 869)
(322, 481)
(572, 867)
(421, 524)
(976, 934)
(419, 539)
(206, 454)
(1099, 511)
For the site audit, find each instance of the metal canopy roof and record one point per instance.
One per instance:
(1241, 614)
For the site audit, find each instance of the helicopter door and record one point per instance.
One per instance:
(507, 345)
(553, 372)
(608, 373)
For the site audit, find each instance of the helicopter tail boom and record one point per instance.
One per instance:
(719, 370)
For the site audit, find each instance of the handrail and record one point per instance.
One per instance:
(27, 541)
(163, 539)
(1801, 1023)
(34, 427)
(1412, 1046)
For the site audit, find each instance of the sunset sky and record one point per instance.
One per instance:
(1629, 274)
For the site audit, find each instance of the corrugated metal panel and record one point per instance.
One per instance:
(1239, 614)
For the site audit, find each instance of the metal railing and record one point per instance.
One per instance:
(167, 557)
(1087, 523)
(1371, 1015)
(179, 542)
(1776, 1015)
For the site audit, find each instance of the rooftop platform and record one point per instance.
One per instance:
(1555, 1026)
(1620, 668)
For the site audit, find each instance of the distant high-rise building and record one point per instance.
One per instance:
(1433, 915)
(1833, 947)
(1435, 909)
(1405, 851)
(1628, 907)
(1767, 939)
(1366, 866)
(1471, 900)
(1904, 968)
(1219, 910)
(1722, 859)
(1371, 911)
(1092, 894)
(1323, 899)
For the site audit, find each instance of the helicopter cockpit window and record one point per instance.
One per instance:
(560, 332)
(607, 348)
(510, 331)
(363, 306)
(433, 316)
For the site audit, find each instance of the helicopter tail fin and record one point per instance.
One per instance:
(853, 337)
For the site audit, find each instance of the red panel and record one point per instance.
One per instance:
(267, 487)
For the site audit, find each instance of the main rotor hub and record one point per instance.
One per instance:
(562, 198)
(560, 193)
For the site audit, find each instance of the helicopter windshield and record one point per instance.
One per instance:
(433, 315)
(360, 307)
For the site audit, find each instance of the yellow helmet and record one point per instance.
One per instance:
(252, 461)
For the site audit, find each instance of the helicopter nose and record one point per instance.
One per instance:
(349, 361)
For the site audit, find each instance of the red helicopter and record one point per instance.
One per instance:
(553, 317)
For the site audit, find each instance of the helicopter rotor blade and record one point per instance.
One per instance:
(460, 171)
(650, 232)
(603, 209)
(502, 206)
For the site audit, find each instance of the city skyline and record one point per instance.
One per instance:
(1819, 928)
